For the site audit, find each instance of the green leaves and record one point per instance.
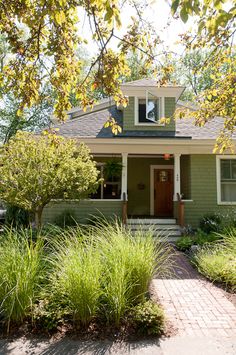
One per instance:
(35, 169)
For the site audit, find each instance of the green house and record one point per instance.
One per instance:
(168, 173)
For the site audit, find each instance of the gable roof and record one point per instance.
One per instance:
(91, 125)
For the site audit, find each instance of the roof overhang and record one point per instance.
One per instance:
(173, 91)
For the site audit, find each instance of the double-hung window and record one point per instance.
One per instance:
(226, 180)
(149, 109)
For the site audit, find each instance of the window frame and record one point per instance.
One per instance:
(218, 178)
(101, 165)
(161, 111)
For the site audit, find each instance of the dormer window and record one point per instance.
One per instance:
(149, 109)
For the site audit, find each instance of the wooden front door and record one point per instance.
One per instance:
(163, 192)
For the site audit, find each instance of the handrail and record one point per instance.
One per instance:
(180, 210)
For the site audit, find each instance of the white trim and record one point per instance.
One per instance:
(152, 169)
(218, 179)
(176, 176)
(161, 112)
(124, 177)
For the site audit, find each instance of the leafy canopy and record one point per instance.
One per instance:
(33, 170)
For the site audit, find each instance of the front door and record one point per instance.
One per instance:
(163, 192)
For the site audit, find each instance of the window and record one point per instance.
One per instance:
(149, 110)
(227, 180)
(107, 189)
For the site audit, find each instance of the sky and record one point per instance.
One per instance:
(158, 13)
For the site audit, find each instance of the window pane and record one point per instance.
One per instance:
(152, 113)
(228, 192)
(142, 111)
(111, 190)
(225, 169)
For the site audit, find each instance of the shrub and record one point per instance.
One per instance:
(148, 318)
(17, 217)
(184, 243)
(21, 270)
(210, 223)
(66, 219)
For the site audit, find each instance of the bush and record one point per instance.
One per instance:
(17, 217)
(210, 223)
(66, 219)
(184, 243)
(148, 318)
(21, 270)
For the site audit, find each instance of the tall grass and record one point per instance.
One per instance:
(218, 262)
(130, 263)
(21, 271)
(76, 279)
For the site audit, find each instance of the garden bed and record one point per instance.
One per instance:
(92, 282)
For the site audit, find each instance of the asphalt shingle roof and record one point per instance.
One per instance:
(91, 125)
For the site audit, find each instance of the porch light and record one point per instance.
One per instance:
(167, 156)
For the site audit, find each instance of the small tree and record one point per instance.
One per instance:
(35, 169)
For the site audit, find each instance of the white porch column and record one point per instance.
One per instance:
(176, 176)
(124, 175)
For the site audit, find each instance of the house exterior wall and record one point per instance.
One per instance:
(83, 210)
(203, 190)
(185, 174)
(128, 117)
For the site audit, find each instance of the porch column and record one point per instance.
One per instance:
(176, 176)
(124, 176)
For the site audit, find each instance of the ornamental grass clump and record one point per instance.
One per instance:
(21, 272)
(218, 262)
(76, 276)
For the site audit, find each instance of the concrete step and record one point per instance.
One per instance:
(155, 227)
(164, 233)
(151, 221)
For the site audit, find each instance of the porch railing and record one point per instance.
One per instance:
(180, 210)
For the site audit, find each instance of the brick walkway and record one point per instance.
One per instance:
(193, 305)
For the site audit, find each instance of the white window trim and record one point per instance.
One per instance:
(151, 124)
(152, 169)
(218, 179)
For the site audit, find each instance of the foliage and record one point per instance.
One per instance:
(66, 219)
(218, 262)
(184, 243)
(113, 271)
(33, 170)
(148, 318)
(21, 271)
(47, 34)
(210, 223)
(112, 169)
(17, 217)
(77, 277)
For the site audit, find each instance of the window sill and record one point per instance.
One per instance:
(227, 203)
(149, 124)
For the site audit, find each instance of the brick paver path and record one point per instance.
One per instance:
(193, 305)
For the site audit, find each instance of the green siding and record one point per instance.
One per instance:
(139, 173)
(203, 190)
(128, 115)
(83, 210)
(185, 173)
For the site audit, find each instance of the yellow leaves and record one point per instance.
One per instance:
(60, 17)
(115, 128)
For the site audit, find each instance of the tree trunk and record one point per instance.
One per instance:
(38, 217)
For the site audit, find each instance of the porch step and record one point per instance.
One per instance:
(151, 221)
(161, 228)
